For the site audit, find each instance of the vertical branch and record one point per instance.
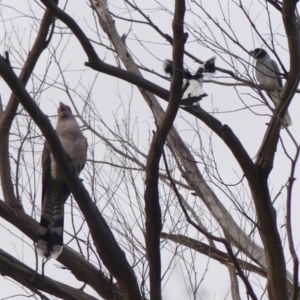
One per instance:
(152, 205)
(291, 23)
(266, 219)
(8, 115)
(289, 226)
(277, 288)
(235, 292)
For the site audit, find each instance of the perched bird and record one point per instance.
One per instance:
(267, 74)
(54, 190)
(192, 91)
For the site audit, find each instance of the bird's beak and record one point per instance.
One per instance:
(62, 106)
(251, 52)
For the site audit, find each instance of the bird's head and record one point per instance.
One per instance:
(64, 111)
(168, 67)
(259, 53)
(209, 66)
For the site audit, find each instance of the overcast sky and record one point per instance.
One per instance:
(239, 107)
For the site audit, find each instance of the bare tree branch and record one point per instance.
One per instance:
(107, 247)
(212, 252)
(79, 266)
(42, 41)
(9, 266)
(152, 205)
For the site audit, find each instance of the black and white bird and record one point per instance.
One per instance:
(192, 91)
(268, 74)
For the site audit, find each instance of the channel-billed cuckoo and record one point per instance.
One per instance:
(54, 189)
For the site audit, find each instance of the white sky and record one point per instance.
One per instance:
(227, 103)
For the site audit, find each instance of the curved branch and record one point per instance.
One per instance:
(276, 4)
(267, 150)
(212, 252)
(190, 169)
(8, 115)
(227, 244)
(289, 225)
(152, 205)
(95, 62)
(80, 267)
(277, 287)
(170, 40)
(192, 175)
(10, 266)
(108, 249)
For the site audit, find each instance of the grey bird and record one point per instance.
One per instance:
(192, 91)
(268, 74)
(54, 190)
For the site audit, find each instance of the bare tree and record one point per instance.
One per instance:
(166, 191)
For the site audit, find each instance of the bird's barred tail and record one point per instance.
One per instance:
(50, 240)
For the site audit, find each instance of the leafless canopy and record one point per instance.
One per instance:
(174, 202)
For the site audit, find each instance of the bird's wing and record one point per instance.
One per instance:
(80, 153)
(46, 173)
(54, 194)
(276, 79)
(168, 67)
(46, 169)
(207, 67)
(286, 121)
(276, 69)
(85, 152)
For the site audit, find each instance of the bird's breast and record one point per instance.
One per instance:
(265, 75)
